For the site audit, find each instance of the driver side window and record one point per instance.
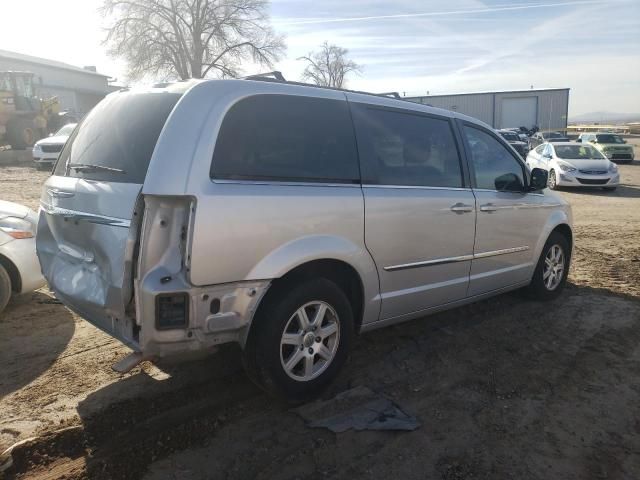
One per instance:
(494, 166)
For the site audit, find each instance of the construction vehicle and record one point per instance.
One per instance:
(24, 117)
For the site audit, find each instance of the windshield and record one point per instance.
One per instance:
(608, 138)
(65, 131)
(578, 152)
(510, 137)
(118, 135)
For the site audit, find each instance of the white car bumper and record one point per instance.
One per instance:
(22, 253)
(41, 157)
(578, 179)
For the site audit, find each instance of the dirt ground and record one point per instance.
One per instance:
(507, 388)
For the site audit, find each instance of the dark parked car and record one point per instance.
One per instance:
(516, 142)
(543, 137)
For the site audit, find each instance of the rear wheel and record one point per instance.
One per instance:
(300, 339)
(21, 133)
(551, 182)
(552, 269)
(5, 288)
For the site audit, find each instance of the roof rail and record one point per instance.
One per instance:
(395, 95)
(275, 75)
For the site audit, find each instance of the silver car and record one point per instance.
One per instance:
(287, 218)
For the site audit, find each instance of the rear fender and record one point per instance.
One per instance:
(306, 249)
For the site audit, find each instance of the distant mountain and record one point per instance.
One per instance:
(605, 117)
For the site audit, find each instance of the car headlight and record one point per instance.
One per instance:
(565, 167)
(613, 168)
(37, 147)
(17, 227)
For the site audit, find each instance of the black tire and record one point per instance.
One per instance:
(263, 355)
(21, 133)
(609, 189)
(5, 288)
(551, 181)
(538, 289)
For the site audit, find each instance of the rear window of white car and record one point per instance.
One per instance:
(287, 138)
(120, 133)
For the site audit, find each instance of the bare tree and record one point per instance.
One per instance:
(191, 38)
(329, 66)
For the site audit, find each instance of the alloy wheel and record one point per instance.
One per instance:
(309, 341)
(554, 264)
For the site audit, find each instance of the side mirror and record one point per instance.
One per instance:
(579, 140)
(509, 182)
(539, 178)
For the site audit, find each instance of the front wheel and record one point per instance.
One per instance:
(299, 340)
(551, 182)
(552, 269)
(5, 288)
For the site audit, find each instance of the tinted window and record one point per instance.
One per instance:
(284, 137)
(119, 133)
(406, 149)
(495, 168)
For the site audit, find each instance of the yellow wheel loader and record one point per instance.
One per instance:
(24, 117)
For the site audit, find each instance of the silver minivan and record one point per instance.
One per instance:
(287, 218)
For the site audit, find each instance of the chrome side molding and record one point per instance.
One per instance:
(461, 258)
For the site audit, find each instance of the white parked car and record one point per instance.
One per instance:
(574, 165)
(19, 267)
(46, 151)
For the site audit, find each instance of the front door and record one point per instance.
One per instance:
(419, 211)
(509, 217)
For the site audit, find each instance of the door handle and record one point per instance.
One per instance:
(461, 208)
(488, 207)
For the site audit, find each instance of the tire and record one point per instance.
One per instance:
(541, 288)
(609, 189)
(5, 288)
(551, 181)
(21, 134)
(277, 337)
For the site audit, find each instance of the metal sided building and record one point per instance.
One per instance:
(546, 108)
(78, 89)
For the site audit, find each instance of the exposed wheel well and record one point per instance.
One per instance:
(14, 274)
(565, 230)
(341, 273)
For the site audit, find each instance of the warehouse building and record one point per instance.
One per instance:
(78, 89)
(546, 108)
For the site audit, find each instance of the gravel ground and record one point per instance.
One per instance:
(505, 388)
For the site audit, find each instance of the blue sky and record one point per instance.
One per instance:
(409, 46)
(416, 47)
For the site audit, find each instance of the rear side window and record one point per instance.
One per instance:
(287, 138)
(398, 148)
(120, 133)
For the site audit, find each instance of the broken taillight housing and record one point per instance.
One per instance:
(172, 311)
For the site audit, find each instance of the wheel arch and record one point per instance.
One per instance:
(338, 271)
(14, 273)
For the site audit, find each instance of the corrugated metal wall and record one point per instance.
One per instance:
(551, 111)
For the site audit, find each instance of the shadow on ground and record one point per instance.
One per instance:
(34, 331)
(505, 388)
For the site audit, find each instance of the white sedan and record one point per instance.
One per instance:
(46, 151)
(574, 165)
(19, 267)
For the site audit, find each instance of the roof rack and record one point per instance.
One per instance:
(277, 77)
